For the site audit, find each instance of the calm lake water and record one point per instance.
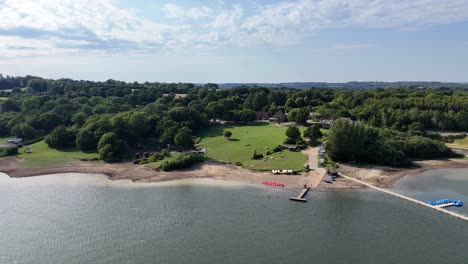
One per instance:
(88, 219)
(437, 184)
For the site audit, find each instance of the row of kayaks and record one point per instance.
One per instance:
(445, 201)
(276, 184)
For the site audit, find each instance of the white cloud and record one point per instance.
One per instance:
(175, 11)
(45, 27)
(350, 46)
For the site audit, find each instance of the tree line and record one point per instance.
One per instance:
(115, 117)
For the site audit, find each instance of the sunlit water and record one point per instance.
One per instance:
(88, 219)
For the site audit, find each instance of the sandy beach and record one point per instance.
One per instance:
(139, 173)
(383, 176)
(378, 175)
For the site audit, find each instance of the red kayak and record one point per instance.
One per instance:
(276, 184)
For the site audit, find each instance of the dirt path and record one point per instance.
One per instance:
(315, 175)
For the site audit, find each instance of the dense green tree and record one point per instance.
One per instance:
(86, 140)
(280, 117)
(10, 105)
(299, 115)
(24, 131)
(169, 134)
(110, 147)
(313, 133)
(48, 121)
(60, 137)
(183, 138)
(38, 85)
(245, 116)
(293, 134)
(79, 119)
(346, 140)
(30, 104)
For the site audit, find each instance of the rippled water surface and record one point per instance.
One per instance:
(87, 219)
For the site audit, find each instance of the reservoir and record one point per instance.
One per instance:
(437, 184)
(78, 218)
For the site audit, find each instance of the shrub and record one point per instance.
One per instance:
(155, 156)
(255, 155)
(278, 148)
(227, 134)
(238, 163)
(8, 151)
(290, 141)
(182, 162)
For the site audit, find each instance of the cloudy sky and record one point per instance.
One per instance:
(236, 41)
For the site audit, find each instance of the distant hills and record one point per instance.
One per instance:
(352, 85)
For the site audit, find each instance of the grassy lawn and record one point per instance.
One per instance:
(244, 140)
(4, 139)
(42, 155)
(460, 143)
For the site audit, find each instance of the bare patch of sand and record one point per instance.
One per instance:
(139, 173)
(378, 175)
(383, 176)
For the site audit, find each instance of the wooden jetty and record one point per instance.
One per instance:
(300, 197)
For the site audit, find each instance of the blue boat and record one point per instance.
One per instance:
(457, 203)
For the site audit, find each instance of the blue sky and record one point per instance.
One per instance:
(236, 41)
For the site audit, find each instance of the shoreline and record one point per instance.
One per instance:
(141, 174)
(380, 176)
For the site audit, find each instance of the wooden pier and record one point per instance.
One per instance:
(300, 197)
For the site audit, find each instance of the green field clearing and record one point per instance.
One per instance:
(4, 139)
(42, 155)
(459, 143)
(244, 140)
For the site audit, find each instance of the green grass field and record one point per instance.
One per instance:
(460, 143)
(42, 155)
(4, 139)
(244, 140)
